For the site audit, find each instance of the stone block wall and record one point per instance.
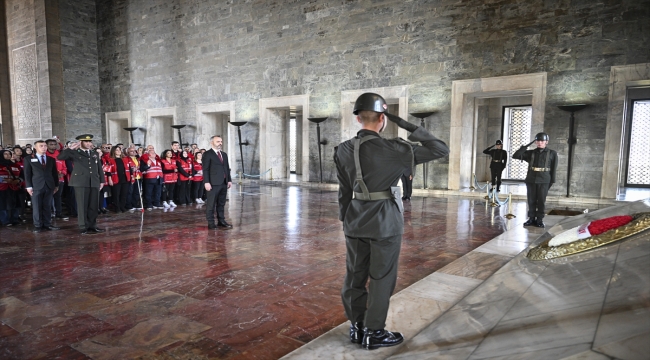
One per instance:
(162, 53)
(173, 53)
(80, 68)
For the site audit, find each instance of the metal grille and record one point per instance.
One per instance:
(519, 121)
(292, 145)
(638, 171)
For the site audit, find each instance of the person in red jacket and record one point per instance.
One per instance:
(151, 168)
(54, 147)
(170, 175)
(105, 193)
(120, 179)
(197, 178)
(184, 165)
(9, 183)
(134, 198)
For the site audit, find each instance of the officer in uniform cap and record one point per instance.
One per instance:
(498, 162)
(542, 164)
(87, 178)
(370, 207)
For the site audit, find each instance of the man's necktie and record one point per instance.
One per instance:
(220, 158)
(42, 160)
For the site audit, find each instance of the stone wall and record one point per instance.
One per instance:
(163, 53)
(173, 53)
(80, 68)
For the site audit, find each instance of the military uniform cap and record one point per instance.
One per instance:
(499, 142)
(84, 137)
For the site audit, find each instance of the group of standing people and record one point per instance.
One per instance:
(131, 179)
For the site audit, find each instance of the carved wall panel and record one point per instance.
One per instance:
(25, 70)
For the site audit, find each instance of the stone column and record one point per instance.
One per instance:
(36, 72)
(5, 93)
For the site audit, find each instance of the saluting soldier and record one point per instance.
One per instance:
(87, 178)
(542, 164)
(497, 164)
(370, 207)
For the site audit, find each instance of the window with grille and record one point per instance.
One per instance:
(638, 166)
(292, 145)
(517, 123)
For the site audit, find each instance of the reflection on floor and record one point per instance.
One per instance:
(161, 285)
(633, 194)
(494, 303)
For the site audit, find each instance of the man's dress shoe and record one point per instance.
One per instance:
(212, 226)
(539, 223)
(224, 225)
(356, 332)
(530, 222)
(95, 230)
(51, 228)
(374, 339)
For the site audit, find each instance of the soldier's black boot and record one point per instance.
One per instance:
(530, 222)
(356, 332)
(374, 339)
(539, 223)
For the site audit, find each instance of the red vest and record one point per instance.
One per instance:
(198, 167)
(61, 168)
(170, 177)
(155, 170)
(108, 166)
(187, 166)
(134, 166)
(5, 176)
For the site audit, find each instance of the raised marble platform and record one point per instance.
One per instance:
(495, 303)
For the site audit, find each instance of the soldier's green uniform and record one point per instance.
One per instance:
(370, 207)
(542, 165)
(86, 178)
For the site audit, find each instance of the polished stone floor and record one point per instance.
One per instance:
(161, 285)
(494, 303)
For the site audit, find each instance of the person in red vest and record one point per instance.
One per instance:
(197, 178)
(134, 197)
(54, 147)
(120, 179)
(170, 174)
(151, 167)
(184, 165)
(10, 183)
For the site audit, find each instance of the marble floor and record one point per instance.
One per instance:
(161, 285)
(494, 303)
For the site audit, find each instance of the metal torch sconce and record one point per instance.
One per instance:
(239, 124)
(425, 166)
(572, 108)
(317, 121)
(131, 130)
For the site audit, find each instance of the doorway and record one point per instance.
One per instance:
(516, 130)
(637, 167)
(115, 124)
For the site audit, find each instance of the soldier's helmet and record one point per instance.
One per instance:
(541, 136)
(370, 102)
(499, 142)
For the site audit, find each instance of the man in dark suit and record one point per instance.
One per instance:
(42, 182)
(217, 181)
(87, 179)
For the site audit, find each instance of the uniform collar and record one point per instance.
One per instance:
(365, 132)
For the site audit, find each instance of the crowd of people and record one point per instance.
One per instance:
(135, 178)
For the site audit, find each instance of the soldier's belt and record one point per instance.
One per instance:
(380, 195)
(496, 160)
(540, 169)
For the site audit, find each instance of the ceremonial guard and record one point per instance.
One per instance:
(542, 163)
(87, 179)
(370, 207)
(497, 163)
